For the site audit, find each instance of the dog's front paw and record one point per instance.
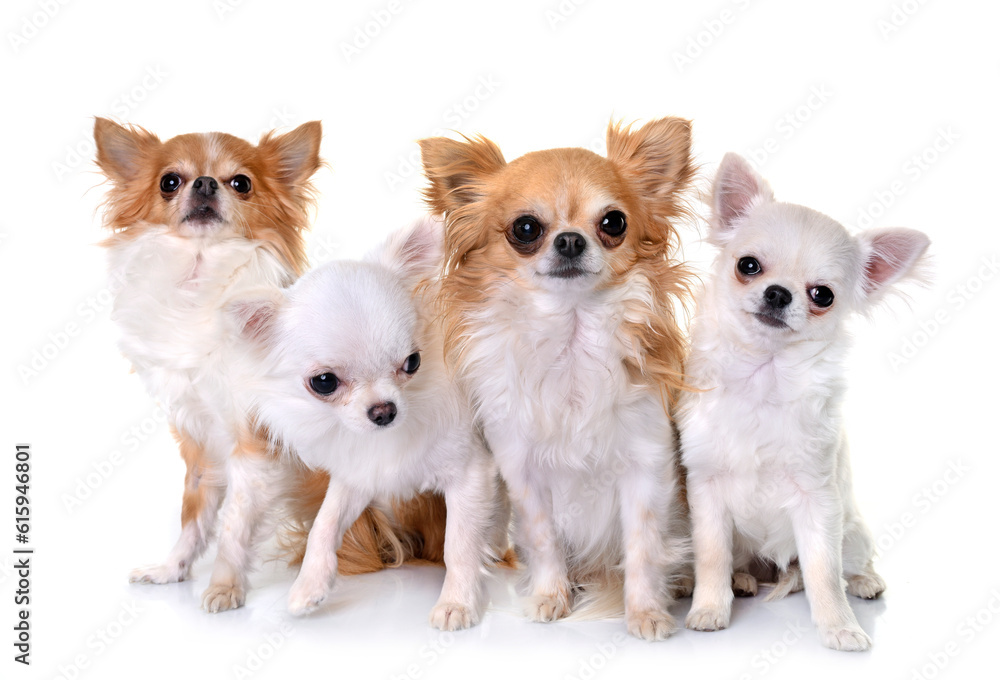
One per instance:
(220, 597)
(306, 596)
(651, 625)
(744, 585)
(453, 616)
(849, 638)
(707, 619)
(549, 606)
(158, 573)
(868, 586)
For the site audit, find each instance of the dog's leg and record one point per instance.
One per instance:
(859, 544)
(341, 507)
(471, 501)
(818, 527)
(712, 535)
(204, 487)
(645, 504)
(254, 481)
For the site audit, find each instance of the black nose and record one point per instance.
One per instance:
(777, 297)
(570, 244)
(382, 414)
(206, 186)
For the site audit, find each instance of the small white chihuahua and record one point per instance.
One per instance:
(762, 438)
(351, 377)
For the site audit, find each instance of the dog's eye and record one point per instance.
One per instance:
(748, 266)
(170, 183)
(324, 383)
(613, 224)
(412, 363)
(821, 296)
(240, 183)
(526, 229)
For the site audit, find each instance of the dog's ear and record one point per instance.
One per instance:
(121, 150)
(294, 154)
(255, 318)
(656, 158)
(737, 188)
(891, 256)
(416, 253)
(457, 171)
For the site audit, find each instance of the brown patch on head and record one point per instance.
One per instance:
(481, 197)
(274, 210)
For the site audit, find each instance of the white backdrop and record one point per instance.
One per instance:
(876, 112)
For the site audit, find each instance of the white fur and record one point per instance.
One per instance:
(169, 308)
(762, 439)
(360, 321)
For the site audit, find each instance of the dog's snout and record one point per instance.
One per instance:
(777, 297)
(570, 244)
(205, 186)
(382, 414)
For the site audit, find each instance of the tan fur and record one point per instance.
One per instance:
(198, 470)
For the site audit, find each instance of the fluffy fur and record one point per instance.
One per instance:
(762, 438)
(568, 342)
(351, 376)
(198, 220)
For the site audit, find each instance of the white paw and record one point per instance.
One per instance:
(744, 585)
(707, 619)
(453, 616)
(548, 607)
(306, 596)
(651, 625)
(158, 573)
(847, 639)
(221, 597)
(868, 586)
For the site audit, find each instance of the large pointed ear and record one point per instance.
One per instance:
(891, 256)
(736, 189)
(457, 170)
(121, 150)
(416, 253)
(294, 154)
(255, 318)
(656, 157)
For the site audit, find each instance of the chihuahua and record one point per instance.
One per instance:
(761, 432)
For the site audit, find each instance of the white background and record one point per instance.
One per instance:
(529, 76)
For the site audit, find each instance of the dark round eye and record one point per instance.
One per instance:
(324, 383)
(412, 363)
(170, 183)
(748, 266)
(526, 229)
(240, 183)
(821, 295)
(613, 224)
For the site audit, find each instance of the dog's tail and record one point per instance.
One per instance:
(789, 581)
(383, 537)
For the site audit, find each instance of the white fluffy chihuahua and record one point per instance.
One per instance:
(351, 377)
(762, 439)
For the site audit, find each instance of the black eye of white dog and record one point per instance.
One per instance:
(821, 296)
(748, 266)
(324, 383)
(412, 363)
